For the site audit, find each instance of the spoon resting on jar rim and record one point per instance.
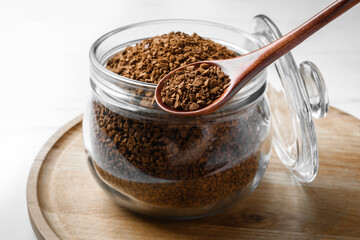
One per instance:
(243, 68)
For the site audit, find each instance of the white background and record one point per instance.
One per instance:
(44, 80)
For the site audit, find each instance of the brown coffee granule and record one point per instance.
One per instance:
(198, 192)
(153, 58)
(175, 165)
(192, 88)
(196, 163)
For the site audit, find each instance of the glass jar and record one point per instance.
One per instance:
(162, 165)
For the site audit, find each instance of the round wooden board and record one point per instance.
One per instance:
(65, 202)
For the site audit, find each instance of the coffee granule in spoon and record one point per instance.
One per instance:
(192, 88)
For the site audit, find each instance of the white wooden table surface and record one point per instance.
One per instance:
(44, 80)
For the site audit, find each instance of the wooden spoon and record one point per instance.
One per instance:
(243, 68)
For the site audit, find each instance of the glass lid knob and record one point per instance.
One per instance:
(315, 89)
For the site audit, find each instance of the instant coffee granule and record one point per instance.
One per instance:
(192, 88)
(180, 164)
(153, 58)
(166, 161)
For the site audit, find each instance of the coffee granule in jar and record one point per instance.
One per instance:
(153, 58)
(192, 88)
(192, 163)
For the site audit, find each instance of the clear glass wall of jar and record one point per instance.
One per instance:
(161, 165)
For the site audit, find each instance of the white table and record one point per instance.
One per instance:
(44, 68)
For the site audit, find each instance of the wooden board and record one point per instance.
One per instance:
(65, 202)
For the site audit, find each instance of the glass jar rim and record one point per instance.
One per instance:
(247, 91)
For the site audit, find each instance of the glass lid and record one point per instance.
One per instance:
(296, 95)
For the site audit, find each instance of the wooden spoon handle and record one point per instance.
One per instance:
(275, 50)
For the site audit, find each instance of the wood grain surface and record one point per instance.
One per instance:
(65, 202)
